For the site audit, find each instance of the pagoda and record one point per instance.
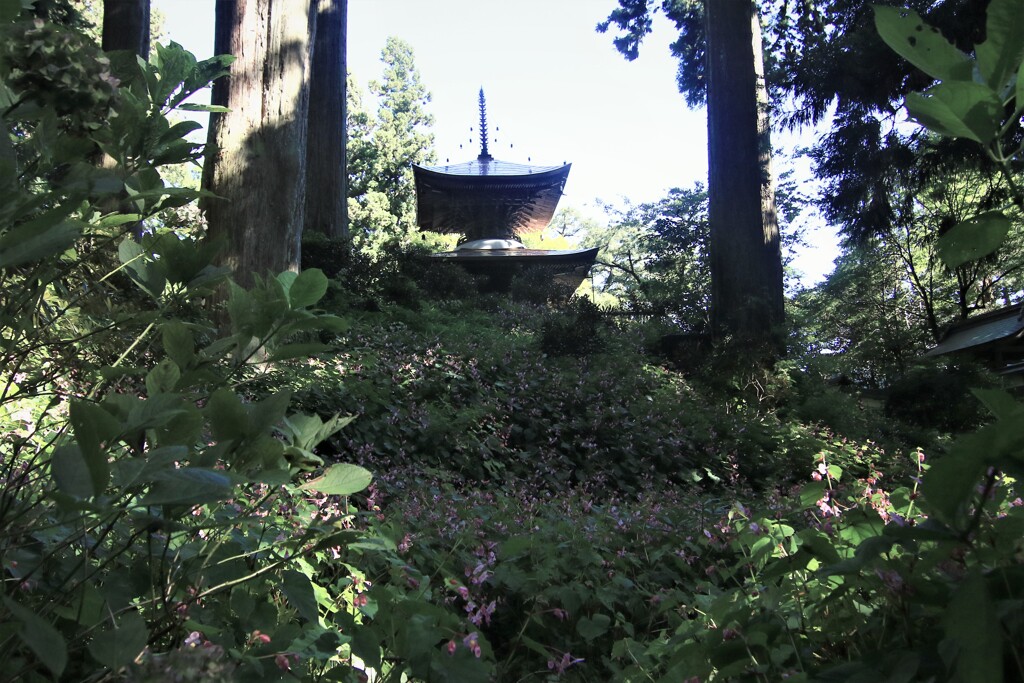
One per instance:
(492, 204)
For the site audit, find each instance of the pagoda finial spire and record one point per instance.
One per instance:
(484, 154)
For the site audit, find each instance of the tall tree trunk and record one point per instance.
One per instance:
(326, 163)
(746, 263)
(256, 156)
(126, 26)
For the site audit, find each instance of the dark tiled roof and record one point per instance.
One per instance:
(487, 197)
(1001, 325)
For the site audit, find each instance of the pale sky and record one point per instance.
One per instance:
(557, 90)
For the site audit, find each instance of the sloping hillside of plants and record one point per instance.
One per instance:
(383, 475)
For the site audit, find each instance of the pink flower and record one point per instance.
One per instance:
(258, 637)
(471, 642)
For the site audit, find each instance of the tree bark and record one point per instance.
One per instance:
(256, 154)
(126, 26)
(326, 162)
(747, 301)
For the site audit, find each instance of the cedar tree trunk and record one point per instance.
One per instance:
(256, 154)
(126, 26)
(326, 167)
(746, 262)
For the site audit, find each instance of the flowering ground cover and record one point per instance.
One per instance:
(598, 518)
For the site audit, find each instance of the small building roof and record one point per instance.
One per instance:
(1002, 328)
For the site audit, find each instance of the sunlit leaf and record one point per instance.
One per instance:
(188, 486)
(999, 57)
(309, 287)
(342, 479)
(973, 239)
(920, 44)
(958, 109)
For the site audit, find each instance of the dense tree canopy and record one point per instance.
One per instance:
(383, 148)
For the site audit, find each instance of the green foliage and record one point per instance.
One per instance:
(976, 98)
(654, 258)
(154, 514)
(382, 198)
(939, 397)
(574, 330)
(172, 504)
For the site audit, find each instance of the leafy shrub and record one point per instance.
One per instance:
(939, 397)
(573, 330)
(541, 285)
(331, 256)
(154, 515)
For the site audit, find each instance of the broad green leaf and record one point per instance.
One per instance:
(958, 109)
(94, 427)
(973, 239)
(179, 343)
(174, 64)
(213, 108)
(141, 268)
(811, 493)
(71, 473)
(1000, 403)
(309, 287)
(920, 44)
(9, 10)
(180, 130)
(44, 237)
(118, 646)
(118, 219)
(331, 323)
(264, 414)
(163, 378)
(304, 350)
(1019, 99)
(41, 637)
(971, 621)
(999, 57)
(342, 479)
(228, 417)
(188, 486)
(593, 628)
(949, 484)
(299, 591)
